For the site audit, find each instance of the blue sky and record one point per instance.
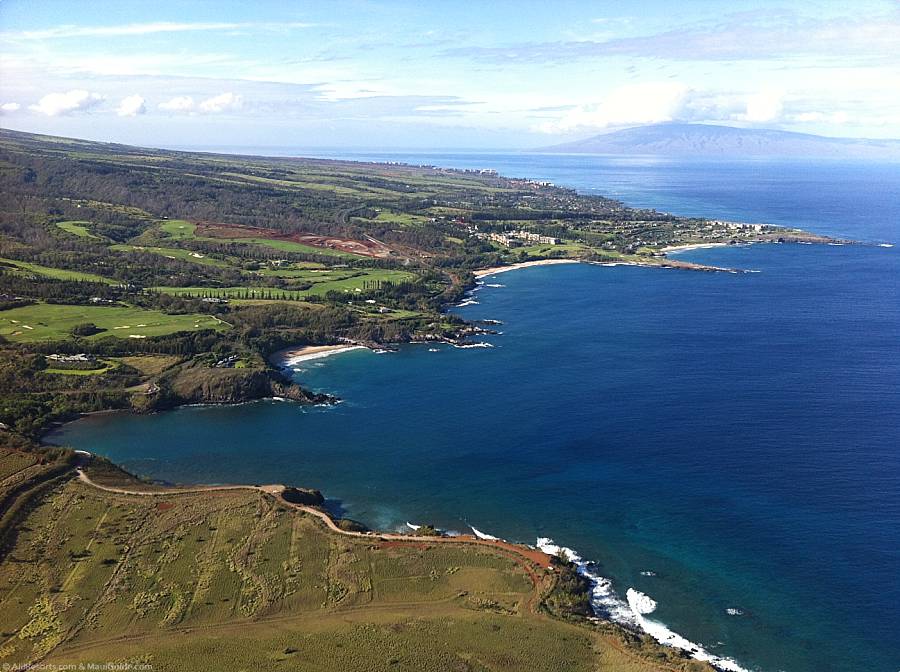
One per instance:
(442, 74)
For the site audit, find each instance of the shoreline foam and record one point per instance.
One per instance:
(693, 246)
(493, 270)
(632, 611)
(293, 356)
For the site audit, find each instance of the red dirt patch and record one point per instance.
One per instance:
(365, 248)
(404, 544)
(539, 558)
(164, 506)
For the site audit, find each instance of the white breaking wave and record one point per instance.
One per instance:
(605, 601)
(603, 597)
(495, 284)
(467, 302)
(482, 535)
(411, 526)
(885, 245)
(642, 604)
(475, 345)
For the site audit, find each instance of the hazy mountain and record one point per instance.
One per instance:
(706, 140)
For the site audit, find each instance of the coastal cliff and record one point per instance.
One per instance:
(195, 384)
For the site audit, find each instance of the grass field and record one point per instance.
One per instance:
(241, 582)
(327, 281)
(541, 251)
(173, 253)
(402, 218)
(103, 365)
(12, 462)
(150, 365)
(178, 229)
(290, 246)
(78, 228)
(56, 273)
(44, 321)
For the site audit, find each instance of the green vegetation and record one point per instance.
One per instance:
(95, 368)
(291, 246)
(178, 229)
(219, 260)
(13, 462)
(173, 253)
(150, 365)
(55, 273)
(241, 581)
(140, 280)
(402, 218)
(44, 321)
(77, 229)
(320, 285)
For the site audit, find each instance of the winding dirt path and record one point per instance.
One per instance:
(531, 555)
(532, 561)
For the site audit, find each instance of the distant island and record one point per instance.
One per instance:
(680, 139)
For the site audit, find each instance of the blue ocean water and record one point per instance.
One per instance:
(725, 444)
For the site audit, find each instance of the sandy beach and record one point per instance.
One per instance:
(293, 356)
(484, 272)
(693, 246)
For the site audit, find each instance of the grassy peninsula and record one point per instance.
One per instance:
(108, 568)
(140, 279)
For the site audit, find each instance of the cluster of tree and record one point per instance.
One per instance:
(52, 290)
(30, 398)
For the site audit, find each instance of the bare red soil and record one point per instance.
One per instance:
(366, 248)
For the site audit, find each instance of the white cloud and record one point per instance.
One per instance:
(56, 104)
(145, 29)
(10, 107)
(131, 106)
(224, 102)
(645, 103)
(763, 106)
(838, 118)
(178, 104)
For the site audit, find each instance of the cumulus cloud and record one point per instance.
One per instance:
(76, 100)
(838, 118)
(131, 106)
(645, 103)
(10, 107)
(763, 106)
(224, 102)
(178, 104)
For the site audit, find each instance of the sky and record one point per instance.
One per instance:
(452, 75)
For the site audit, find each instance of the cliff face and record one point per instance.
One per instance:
(201, 385)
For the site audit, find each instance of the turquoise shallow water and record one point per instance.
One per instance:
(734, 435)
